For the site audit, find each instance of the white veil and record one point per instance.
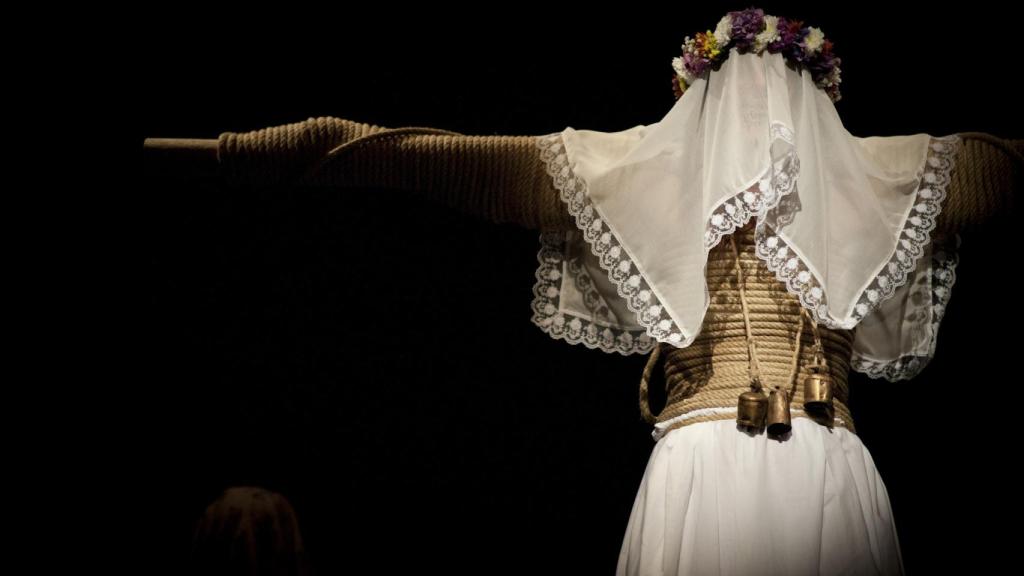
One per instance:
(844, 222)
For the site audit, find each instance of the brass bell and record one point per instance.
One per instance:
(751, 409)
(818, 393)
(778, 412)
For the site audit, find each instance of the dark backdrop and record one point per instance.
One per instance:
(370, 354)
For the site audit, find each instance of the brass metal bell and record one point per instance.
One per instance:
(818, 393)
(778, 412)
(751, 409)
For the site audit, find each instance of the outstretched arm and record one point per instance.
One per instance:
(499, 178)
(987, 175)
(502, 178)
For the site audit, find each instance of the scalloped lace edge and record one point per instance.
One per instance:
(625, 275)
(776, 182)
(799, 280)
(570, 327)
(766, 193)
(908, 366)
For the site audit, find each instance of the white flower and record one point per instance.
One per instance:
(677, 65)
(768, 35)
(723, 32)
(814, 39)
(681, 71)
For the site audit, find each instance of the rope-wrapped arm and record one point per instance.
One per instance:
(502, 178)
(498, 178)
(988, 173)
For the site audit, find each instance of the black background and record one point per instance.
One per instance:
(370, 354)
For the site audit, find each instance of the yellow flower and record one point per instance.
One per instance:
(710, 45)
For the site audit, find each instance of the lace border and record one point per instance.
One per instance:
(800, 281)
(770, 199)
(778, 180)
(933, 180)
(907, 366)
(624, 274)
(763, 199)
(572, 328)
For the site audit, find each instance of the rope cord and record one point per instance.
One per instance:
(754, 368)
(388, 133)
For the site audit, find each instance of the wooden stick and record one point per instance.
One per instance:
(184, 158)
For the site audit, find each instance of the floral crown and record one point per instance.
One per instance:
(751, 30)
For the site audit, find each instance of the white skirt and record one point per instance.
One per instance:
(717, 500)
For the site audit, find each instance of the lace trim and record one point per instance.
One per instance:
(592, 298)
(791, 270)
(769, 199)
(571, 328)
(802, 282)
(765, 194)
(933, 180)
(907, 366)
(622, 271)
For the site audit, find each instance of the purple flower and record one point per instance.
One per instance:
(791, 34)
(746, 25)
(695, 64)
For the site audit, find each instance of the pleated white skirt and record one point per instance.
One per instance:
(717, 500)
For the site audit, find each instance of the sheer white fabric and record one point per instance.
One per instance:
(716, 500)
(844, 222)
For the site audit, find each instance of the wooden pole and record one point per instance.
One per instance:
(184, 158)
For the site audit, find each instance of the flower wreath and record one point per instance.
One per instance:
(751, 30)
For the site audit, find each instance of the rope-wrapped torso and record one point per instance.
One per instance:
(704, 380)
